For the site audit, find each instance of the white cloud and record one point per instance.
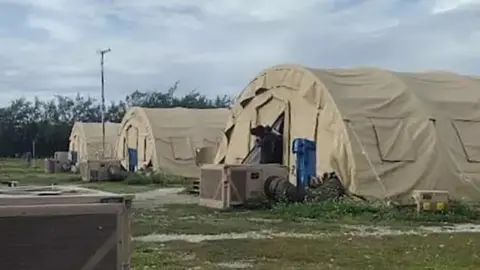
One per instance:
(217, 46)
(441, 6)
(56, 29)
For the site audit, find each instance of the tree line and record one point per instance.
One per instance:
(48, 123)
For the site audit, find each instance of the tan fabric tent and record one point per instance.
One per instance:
(86, 140)
(166, 139)
(386, 133)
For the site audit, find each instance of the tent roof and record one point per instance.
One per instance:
(159, 119)
(358, 91)
(93, 131)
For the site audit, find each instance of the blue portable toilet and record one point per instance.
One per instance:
(306, 162)
(73, 157)
(132, 159)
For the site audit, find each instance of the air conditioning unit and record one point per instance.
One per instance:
(50, 165)
(226, 185)
(61, 156)
(97, 170)
(95, 175)
(64, 227)
(205, 155)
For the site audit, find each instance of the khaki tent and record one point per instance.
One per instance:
(166, 139)
(86, 140)
(385, 133)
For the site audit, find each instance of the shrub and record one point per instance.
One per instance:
(166, 179)
(374, 212)
(138, 179)
(157, 178)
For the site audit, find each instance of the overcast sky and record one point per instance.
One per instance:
(48, 47)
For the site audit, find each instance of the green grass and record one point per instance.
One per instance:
(349, 211)
(333, 251)
(157, 178)
(193, 219)
(18, 170)
(435, 252)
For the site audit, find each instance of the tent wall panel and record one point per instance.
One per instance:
(468, 133)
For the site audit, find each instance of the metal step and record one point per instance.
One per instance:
(195, 188)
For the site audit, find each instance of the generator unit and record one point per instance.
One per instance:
(61, 156)
(50, 165)
(225, 185)
(99, 170)
(64, 227)
(430, 200)
(205, 155)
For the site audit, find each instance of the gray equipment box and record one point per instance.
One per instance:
(60, 228)
(97, 170)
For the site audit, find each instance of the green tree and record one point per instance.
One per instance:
(49, 122)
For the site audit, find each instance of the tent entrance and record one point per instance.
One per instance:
(132, 159)
(268, 147)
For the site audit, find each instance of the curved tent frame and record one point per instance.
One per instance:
(166, 138)
(86, 140)
(385, 133)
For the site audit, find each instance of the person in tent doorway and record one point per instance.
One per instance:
(270, 142)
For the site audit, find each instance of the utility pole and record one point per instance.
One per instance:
(102, 55)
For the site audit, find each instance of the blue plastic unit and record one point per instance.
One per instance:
(74, 155)
(306, 161)
(132, 159)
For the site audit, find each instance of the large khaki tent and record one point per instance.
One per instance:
(166, 139)
(86, 140)
(385, 133)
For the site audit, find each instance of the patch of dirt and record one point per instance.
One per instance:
(386, 231)
(354, 231)
(264, 220)
(197, 238)
(162, 196)
(236, 265)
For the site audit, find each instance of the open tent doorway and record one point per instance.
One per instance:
(269, 145)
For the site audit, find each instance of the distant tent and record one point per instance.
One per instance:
(385, 133)
(86, 140)
(166, 139)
